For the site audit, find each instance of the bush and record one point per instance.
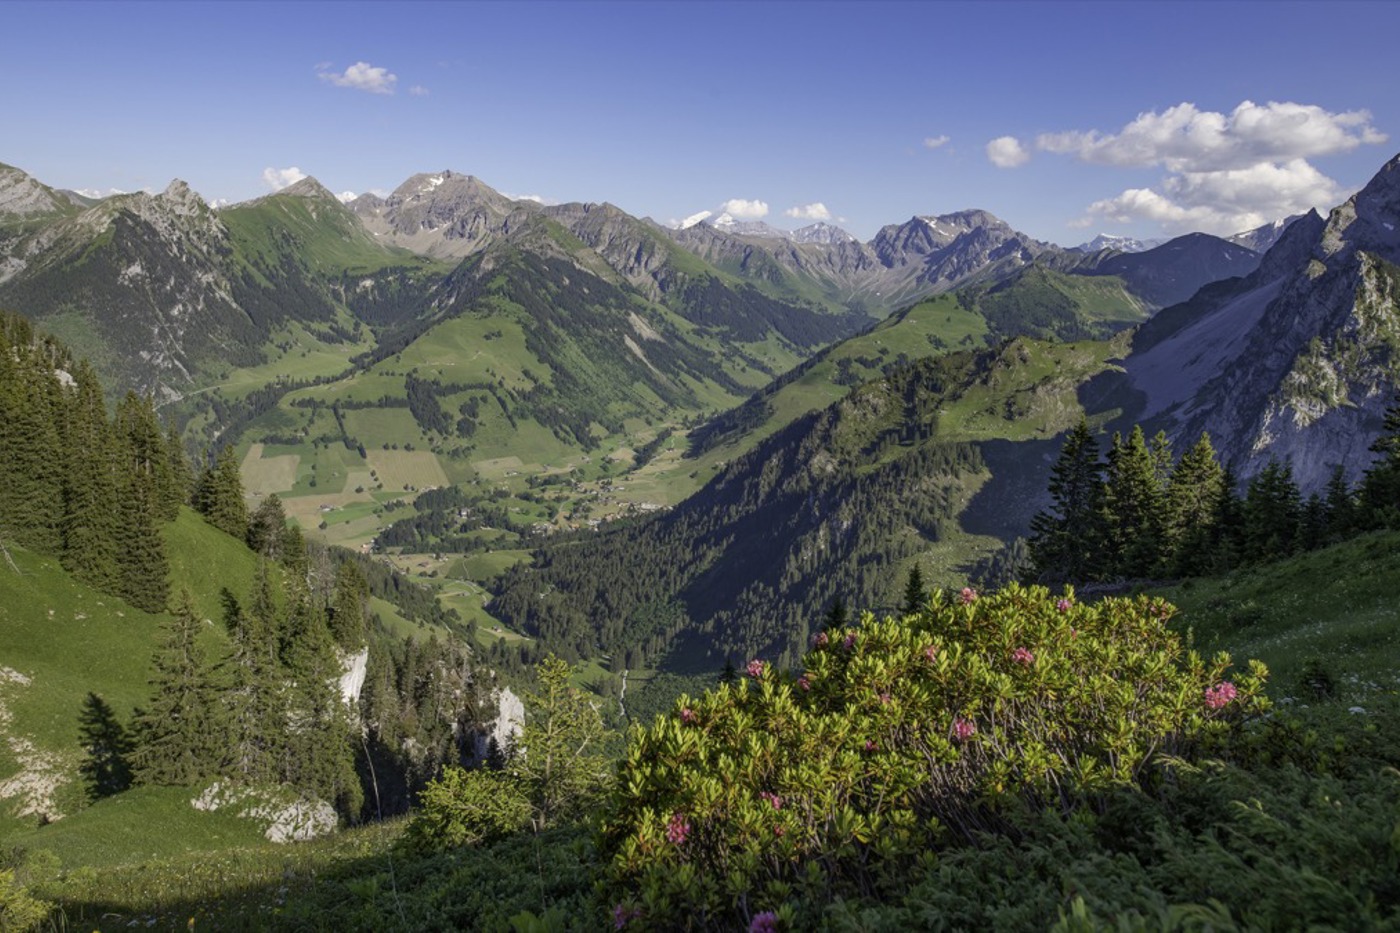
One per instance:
(464, 807)
(902, 735)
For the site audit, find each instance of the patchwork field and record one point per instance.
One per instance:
(262, 474)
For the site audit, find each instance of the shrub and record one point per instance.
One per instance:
(464, 807)
(900, 735)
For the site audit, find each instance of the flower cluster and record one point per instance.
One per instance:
(964, 729)
(623, 915)
(688, 716)
(804, 682)
(766, 922)
(968, 596)
(1221, 694)
(678, 830)
(1023, 655)
(849, 641)
(1063, 605)
(773, 799)
(755, 668)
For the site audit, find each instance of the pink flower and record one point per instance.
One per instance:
(1023, 656)
(1221, 694)
(967, 596)
(766, 922)
(964, 729)
(678, 829)
(773, 799)
(870, 745)
(820, 640)
(804, 682)
(1063, 605)
(688, 716)
(623, 915)
(931, 652)
(849, 641)
(883, 697)
(779, 831)
(755, 668)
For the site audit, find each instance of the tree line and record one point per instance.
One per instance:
(1138, 511)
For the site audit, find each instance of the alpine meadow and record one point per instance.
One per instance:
(695, 544)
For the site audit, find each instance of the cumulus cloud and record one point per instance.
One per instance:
(99, 194)
(1184, 138)
(933, 142)
(362, 76)
(525, 197)
(279, 178)
(741, 209)
(345, 197)
(1007, 152)
(814, 211)
(1226, 172)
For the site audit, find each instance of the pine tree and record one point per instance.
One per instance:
(180, 472)
(143, 569)
(319, 757)
(1380, 487)
(1342, 518)
(32, 407)
(90, 488)
(350, 607)
(837, 616)
(1193, 505)
(1272, 511)
(915, 593)
(177, 736)
(1064, 537)
(267, 527)
(220, 495)
(1134, 507)
(146, 451)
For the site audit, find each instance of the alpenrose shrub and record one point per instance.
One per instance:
(898, 736)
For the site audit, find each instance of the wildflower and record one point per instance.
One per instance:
(779, 831)
(964, 729)
(883, 697)
(967, 596)
(1221, 694)
(623, 915)
(678, 830)
(804, 682)
(755, 668)
(766, 922)
(820, 640)
(1063, 605)
(931, 652)
(773, 799)
(849, 641)
(870, 745)
(1023, 656)
(688, 716)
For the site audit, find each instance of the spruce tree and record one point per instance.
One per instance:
(915, 593)
(1192, 507)
(267, 528)
(1272, 511)
(1064, 537)
(1134, 507)
(1380, 487)
(142, 566)
(181, 474)
(837, 616)
(178, 735)
(90, 489)
(32, 407)
(350, 607)
(220, 495)
(1342, 518)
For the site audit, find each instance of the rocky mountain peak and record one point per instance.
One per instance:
(1370, 220)
(23, 196)
(822, 232)
(309, 187)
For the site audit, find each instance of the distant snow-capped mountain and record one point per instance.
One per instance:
(1124, 244)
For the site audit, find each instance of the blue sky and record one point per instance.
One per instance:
(1064, 119)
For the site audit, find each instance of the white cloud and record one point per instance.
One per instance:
(1225, 172)
(1185, 139)
(814, 211)
(362, 76)
(933, 142)
(279, 178)
(218, 202)
(418, 90)
(345, 197)
(1007, 152)
(744, 210)
(525, 197)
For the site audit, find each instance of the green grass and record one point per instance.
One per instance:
(1335, 608)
